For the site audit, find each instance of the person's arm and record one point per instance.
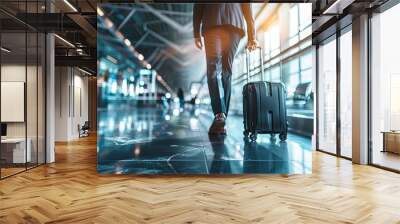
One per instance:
(197, 14)
(248, 15)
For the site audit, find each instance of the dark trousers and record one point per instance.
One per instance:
(221, 44)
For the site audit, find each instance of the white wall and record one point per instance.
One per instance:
(16, 73)
(71, 102)
(33, 127)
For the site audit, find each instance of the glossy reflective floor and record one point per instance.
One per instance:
(153, 141)
(386, 159)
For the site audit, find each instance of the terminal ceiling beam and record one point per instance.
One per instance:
(178, 27)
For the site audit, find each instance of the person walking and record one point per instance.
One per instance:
(223, 26)
(181, 98)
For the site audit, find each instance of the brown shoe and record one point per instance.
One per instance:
(218, 125)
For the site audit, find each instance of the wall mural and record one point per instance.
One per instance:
(171, 91)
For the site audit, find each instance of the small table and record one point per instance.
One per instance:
(391, 141)
(16, 147)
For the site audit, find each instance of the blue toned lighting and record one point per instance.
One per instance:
(111, 59)
(144, 72)
(193, 123)
(114, 87)
(131, 90)
(103, 65)
(121, 126)
(111, 124)
(125, 87)
(141, 90)
(175, 112)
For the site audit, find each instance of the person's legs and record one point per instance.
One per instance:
(221, 45)
(232, 42)
(213, 47)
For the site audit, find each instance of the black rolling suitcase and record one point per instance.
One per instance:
(264, 107)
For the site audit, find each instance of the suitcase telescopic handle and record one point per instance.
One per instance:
(260, 50)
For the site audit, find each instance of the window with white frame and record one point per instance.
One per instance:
(294, 24)
(299, 22)
(267, 45)
(275, 74)
(275, 40)
(306, 68)
(305, 18)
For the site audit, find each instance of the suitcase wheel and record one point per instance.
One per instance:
(283, 136)
(253, 137)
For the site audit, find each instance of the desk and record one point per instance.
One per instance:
(391, 141)
(15, 148)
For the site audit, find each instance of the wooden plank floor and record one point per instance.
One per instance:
(70, 191)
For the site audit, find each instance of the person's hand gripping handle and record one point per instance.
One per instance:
(198, 43)
(252, 45)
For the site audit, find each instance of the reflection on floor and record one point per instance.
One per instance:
(153, 141)
(386, 159)
(8, 171)
(11, 169)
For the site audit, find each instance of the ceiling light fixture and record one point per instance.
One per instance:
(127, 42)
(148, 66)
(100, 12)
(5, 50)
(113, 60)
(65, 41)
(109, 23)
(70, 5)
(84, 71)
(337, 7)
(79, 51)
(141, 57)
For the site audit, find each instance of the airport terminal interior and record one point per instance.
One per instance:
(105, 110)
